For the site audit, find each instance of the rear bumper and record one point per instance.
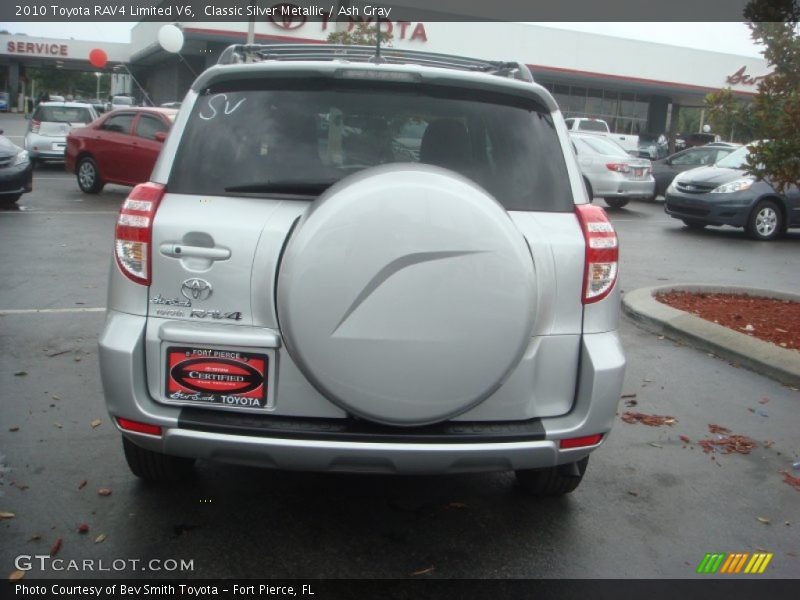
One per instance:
(615, 185)
(489, 446)
(41, 147)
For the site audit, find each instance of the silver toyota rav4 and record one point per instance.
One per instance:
(361, 263)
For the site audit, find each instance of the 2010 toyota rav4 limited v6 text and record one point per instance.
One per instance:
(347, 264)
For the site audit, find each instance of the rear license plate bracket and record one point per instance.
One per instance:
(220, 378)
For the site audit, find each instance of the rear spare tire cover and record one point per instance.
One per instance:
(406, 294)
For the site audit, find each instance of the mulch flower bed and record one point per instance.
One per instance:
(769, 319)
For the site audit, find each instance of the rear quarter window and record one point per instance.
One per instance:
(322, 131)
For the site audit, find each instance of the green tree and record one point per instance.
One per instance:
(80, 84)
(776, 109)
(732, 118)
(362, 34)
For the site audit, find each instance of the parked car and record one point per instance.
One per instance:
(16, 172)
(599, 127)
(653, 146)
(4, 102)
(700, 139)
(49, 125)
(665, 169)
(120, 147)
(724, 194)
(274, 302)
(610, 172)
(120, 101)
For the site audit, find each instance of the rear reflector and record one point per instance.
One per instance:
(587, 440)
(134, 231)
(602, 252)
(129, 425)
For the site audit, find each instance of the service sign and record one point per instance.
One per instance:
(219, 377)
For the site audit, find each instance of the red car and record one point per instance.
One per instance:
(120, 147)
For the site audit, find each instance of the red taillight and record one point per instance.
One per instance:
(580, 442)
(35, 126)
(133, 238)
(602, 252)
(618, 167)
(129, 425)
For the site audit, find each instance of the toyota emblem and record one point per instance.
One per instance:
(196, 289)
(287, 16)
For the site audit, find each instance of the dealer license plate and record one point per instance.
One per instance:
(218, 377)
(59, 146)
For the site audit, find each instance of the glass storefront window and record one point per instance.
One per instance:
(577, 100)
(594, 102)
(625, 112)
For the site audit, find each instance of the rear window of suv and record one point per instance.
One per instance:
(300, 138)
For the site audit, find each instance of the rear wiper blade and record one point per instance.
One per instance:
(282, 187)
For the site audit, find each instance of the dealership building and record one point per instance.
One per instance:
(636, 86)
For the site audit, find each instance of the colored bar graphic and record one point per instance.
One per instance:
(701, 568)
(741, 562)
(730, 563)
(764, 564)
(727, 566)
(753, 563)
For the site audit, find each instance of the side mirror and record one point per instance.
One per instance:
(160, 136)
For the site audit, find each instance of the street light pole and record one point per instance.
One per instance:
(98, 75)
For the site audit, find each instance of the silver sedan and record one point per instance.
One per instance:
(610, 172)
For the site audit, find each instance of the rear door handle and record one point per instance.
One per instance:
(181, 251)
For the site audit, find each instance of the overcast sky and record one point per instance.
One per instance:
(733, 38)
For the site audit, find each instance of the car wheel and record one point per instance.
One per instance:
(589, 191)
(154, 466)
(553, 481)
(616, 202)
(35, 163)
(766, 221)
(694, 224)
(10, 200)
(88, 176)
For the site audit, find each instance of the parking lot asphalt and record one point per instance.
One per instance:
(651, 505)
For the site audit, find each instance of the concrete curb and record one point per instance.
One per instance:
(755, 354)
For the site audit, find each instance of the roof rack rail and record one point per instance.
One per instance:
(250, 53)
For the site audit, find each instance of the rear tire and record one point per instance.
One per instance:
(765, 222)
(154, 466)
(88, 176)
(694, 224)
(553, 481)
(616, 202)
(9, 200)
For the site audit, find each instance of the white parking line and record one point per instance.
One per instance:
(27, 311)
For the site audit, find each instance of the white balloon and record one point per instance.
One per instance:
(170, 38)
